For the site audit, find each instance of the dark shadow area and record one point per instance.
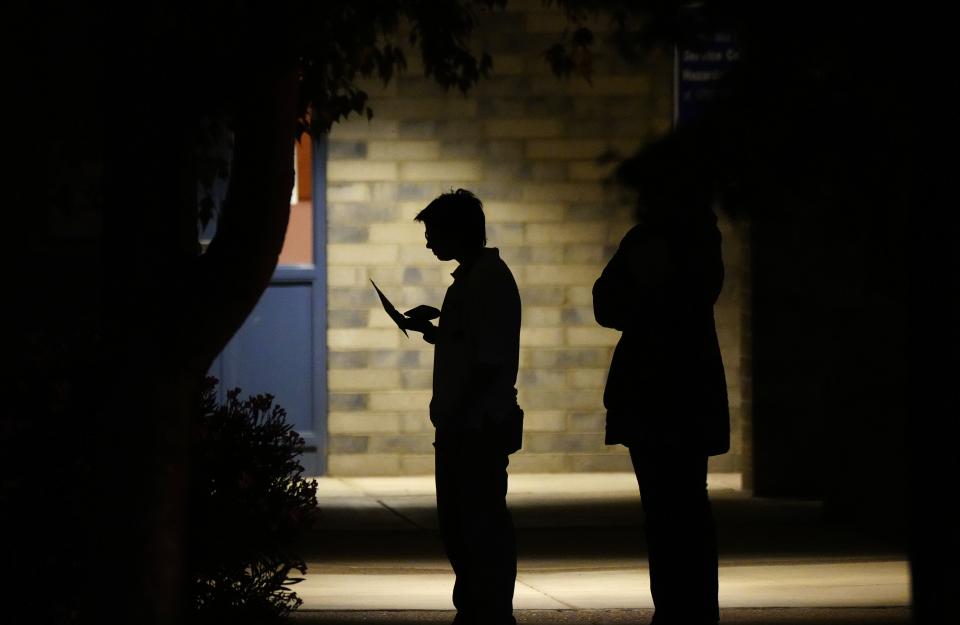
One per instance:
(748, 528)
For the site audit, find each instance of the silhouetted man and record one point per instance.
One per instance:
(474, 408)
(666, 395)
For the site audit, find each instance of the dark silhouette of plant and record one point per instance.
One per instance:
(249, 507)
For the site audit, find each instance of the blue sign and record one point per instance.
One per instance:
(699, 73)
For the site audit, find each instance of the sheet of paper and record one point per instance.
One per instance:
(391, 310)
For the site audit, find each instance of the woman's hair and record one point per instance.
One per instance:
(457, 211)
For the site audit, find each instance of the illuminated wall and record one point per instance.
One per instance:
(528, 144)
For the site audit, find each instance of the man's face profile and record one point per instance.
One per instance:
(442, 242)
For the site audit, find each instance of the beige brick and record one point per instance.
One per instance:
(591, 336)
(566, 233)
(363, 338)
(453, 106)
(360, 170)
(408, 210)
(587, 421)
(626, 146)
(380, 319)
(565, 149)
(522, 128)
(420, 256)
(403, 150)
(361, 254)
(344, 465)
(541, 378)
(524, 6)
(544, 420)
(416, 378)
(564, 399)
(346, 276)
(505, 234)
(375, 88)
(416, 464)
(363, 379)
(361, 128)
(562, 274)
(590, 170)
(610, 462)
(403, 232)
(595, 252)
(401, 443)
(541, 316)
(385, 275)
(727, 463)
(406, 400)
(552, 22)
(610, 85)
(541, 337)
(562, 192)
(363, 423)
(346, 318)
(506, 65)
(587, 378)
(538, 463)
(526, 358)
(579, 295)
(521, 212)
(348, 192)
(413, 295)
(547, 442)
(453, 171)
(517, 269)
(339, 444)
(618, 230)
(662, 126)
(416, 422)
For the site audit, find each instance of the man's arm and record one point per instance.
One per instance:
(424, 326)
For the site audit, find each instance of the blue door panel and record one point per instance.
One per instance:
(272, 352)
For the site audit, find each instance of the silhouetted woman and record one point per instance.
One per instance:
(666, 395)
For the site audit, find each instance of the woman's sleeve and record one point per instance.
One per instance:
(609, 304)
(633, 281)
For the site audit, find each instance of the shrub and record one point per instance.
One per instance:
(250, 506)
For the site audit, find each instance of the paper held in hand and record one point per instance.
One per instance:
(420, 312)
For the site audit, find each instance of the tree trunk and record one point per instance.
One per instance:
(168, 311)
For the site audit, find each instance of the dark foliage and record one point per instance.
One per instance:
(250, 506)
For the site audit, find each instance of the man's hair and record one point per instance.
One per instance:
(458, 211)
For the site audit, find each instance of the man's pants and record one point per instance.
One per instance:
(681, 536)
(476, 527)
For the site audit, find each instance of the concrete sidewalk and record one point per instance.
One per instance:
(860, 584)
(405, 503)
(581, 554)
(739, 616)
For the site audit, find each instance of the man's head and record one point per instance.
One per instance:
(455, 226)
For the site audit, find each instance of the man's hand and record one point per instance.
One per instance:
(423, 326)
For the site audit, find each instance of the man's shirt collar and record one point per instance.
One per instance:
(463, 268)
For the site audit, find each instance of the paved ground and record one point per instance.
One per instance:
(739, 616)
(376, 557)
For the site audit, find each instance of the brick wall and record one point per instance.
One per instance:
(528, 145)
